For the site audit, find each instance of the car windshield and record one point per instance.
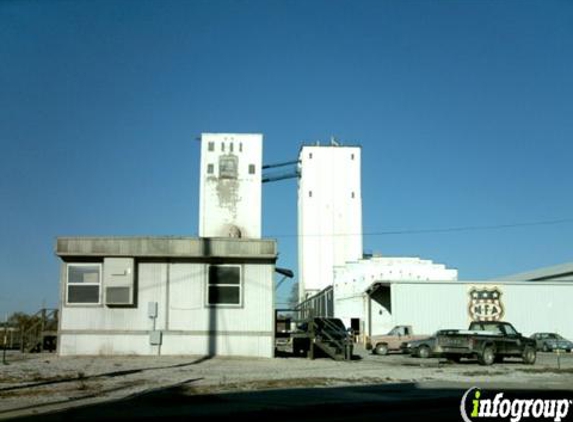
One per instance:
(397, 331)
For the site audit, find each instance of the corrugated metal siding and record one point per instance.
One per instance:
(190, 327)
(151, 288)
(530, 307)
(429, 307)
(537, 308)
(188, 309)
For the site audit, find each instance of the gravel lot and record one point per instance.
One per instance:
(37, 383)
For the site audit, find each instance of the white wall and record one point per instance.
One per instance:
(226, 202)
(329, 213)
(189, 326)
(530, 306)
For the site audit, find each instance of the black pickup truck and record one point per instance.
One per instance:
(489, 342)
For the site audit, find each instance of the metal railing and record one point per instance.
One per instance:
(332, 339)
(42, 333)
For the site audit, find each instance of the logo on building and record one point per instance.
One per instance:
(485, 304)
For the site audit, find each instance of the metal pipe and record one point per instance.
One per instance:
(287, 163)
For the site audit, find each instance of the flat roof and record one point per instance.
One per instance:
(166, 247)
(561, 271)
(388, 283)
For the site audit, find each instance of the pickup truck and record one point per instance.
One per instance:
(488, 341)
(424, 348)
(392, 341)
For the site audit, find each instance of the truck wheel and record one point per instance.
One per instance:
(529, 355)
(424, 352)
(381, 349)
(487, 356)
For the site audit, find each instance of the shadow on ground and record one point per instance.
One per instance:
(364, 403)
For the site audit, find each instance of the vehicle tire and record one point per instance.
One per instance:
(381, 349)
(487, 356)
(529, 355)
(545, 348)
(424, 352)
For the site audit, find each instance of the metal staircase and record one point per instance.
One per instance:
(42, 333)
(330, 339)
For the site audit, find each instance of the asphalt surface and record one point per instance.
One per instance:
(426, 402)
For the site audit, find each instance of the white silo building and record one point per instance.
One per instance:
(329, 213)
(230, 185)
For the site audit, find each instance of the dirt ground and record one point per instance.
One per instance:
(37, 383)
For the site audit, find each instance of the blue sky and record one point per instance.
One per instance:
(463, 109)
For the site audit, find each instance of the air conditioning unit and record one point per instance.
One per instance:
(118, 281)
(119, 296)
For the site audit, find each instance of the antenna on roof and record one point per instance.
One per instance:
(334, 142)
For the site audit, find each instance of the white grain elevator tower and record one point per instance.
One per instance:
(329, 213)
(230, 186)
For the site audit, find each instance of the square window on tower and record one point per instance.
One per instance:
(228, 165)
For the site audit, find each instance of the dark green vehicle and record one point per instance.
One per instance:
(488, 341)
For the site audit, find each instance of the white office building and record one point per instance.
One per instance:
(212, 295)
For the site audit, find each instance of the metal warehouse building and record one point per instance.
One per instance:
(374, 295)
(166, 296)
(432, 305)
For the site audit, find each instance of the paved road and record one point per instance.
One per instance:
(389, 402)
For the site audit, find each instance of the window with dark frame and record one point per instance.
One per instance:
(83, 284)
(211, 146)
(228, 166)
(224, 285)
(251, 169)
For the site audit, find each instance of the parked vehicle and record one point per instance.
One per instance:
(425, 347)
(381, 345)
(489, 342)
(549, 342)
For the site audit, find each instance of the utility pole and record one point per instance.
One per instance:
(5, 339)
